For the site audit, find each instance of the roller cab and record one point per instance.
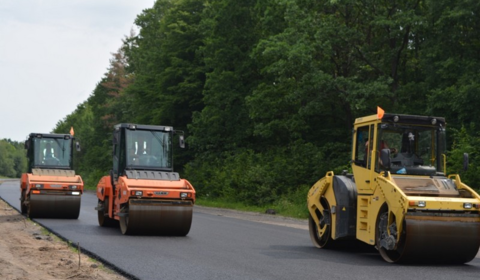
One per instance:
(398, 197)
(142, 193)
(50, 188)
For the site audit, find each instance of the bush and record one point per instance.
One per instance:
(266, 178)
(465, 142)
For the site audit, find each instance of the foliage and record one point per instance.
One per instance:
(13, 160)
(466, 143)
(292, 204)
(267, 91)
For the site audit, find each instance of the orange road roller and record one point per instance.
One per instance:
(50, 188)
(142, 192)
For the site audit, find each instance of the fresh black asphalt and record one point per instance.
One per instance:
(218, 247)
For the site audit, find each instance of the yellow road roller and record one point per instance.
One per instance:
(399, 197)
(143, 193)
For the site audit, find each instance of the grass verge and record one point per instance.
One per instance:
(283, 207)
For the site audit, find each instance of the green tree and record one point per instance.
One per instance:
(13, 161)
(451, 60)
(465, 143)
(229, 34)
(169, 71)
(94, 119)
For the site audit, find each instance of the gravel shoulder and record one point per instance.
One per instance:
(27, 251)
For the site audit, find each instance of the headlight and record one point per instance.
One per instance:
(72, 187)
(467, 205)
(183, 195)
(138, 193)
(417, 203)
(38, 186)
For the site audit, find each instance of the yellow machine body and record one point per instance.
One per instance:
(399, 200)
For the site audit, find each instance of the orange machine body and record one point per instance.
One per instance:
(36, 184)
(151, 190)
(142, 192)
(50, 188)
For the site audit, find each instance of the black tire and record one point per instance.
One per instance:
(30, 213)
(325, 240)
(103, 219)
(390, 256)
(124, 226)
(23, 207)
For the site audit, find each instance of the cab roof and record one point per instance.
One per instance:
(400, 118)
(143, 127)
(48, 135)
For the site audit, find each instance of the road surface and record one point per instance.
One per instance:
(220, 247)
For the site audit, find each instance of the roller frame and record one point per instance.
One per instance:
(415, 234)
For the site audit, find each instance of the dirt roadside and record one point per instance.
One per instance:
(27, 251)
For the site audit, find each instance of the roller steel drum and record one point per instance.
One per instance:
(446, 238)
(54, 206)
(157, 217)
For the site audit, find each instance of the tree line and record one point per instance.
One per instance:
(267, 91)
(13, 161)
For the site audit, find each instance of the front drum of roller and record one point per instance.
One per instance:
(57, 206)
(446, 239)
(157, 217)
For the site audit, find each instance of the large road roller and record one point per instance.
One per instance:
(50, 188)
(143, 193)
(399, 197)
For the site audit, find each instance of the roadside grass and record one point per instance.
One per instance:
(282, 207)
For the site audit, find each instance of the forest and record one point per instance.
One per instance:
(267, 91)
(13, 161)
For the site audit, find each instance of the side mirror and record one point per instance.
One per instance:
(181, 141)
(385, 158)
(465, 161)
(77, 146)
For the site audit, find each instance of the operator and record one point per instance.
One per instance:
(50, 159)
(383, 145)
(133, 158)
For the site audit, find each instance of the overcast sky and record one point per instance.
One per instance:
(52, 55)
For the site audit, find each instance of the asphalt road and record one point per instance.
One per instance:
(219, 247)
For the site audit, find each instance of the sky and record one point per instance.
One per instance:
(52, 55)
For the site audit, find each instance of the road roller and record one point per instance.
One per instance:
(143, 193)
(398, 196)
(50, 188)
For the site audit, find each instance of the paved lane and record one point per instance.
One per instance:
(218, 247)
